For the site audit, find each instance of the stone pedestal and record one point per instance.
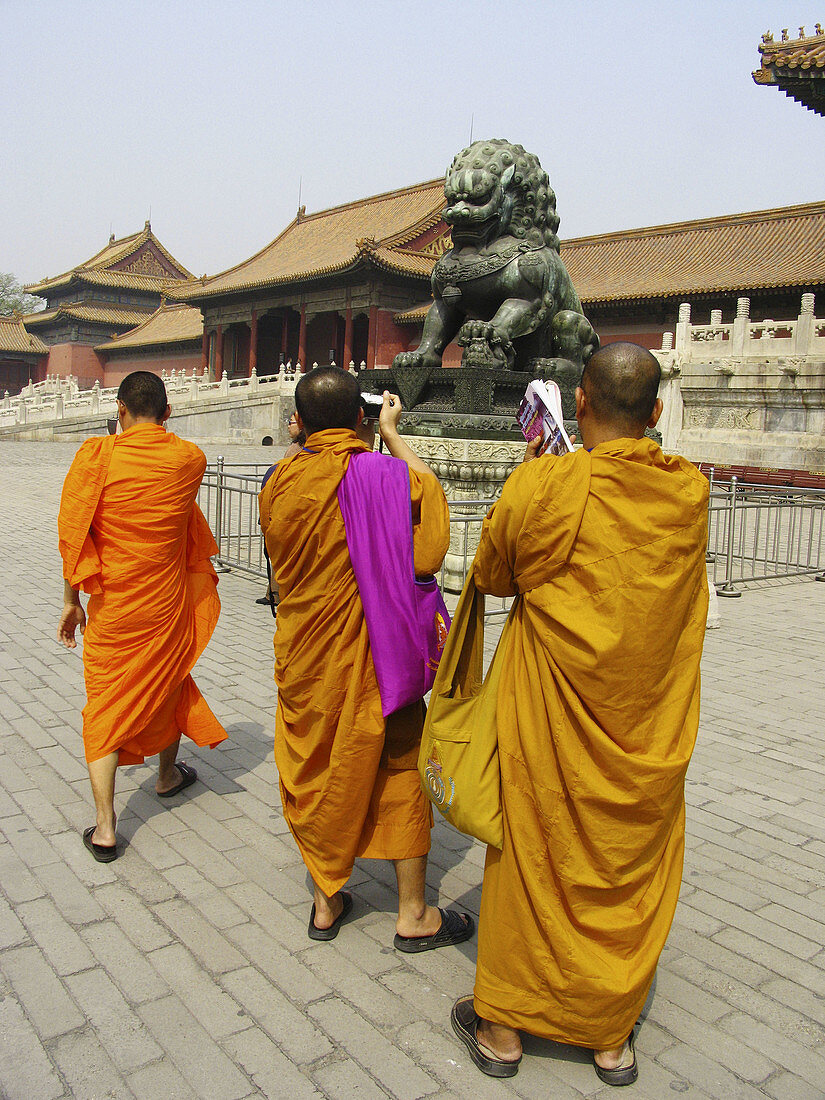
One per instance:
(469, 470)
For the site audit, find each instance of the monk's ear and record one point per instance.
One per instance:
(657, 412)
(581, 402)
(167, 414)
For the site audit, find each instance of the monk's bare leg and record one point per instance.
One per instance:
(415, 917)
(609, 1059)
(500, 1040)
(102, 775)
(327, 910)
(168, 774)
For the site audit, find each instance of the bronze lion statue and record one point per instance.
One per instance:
(502, 291)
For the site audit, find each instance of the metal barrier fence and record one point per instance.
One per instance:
(229, 499)
(757, 534)
(754, 534)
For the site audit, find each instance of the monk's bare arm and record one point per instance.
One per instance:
(73, 616)
(388, 426)
(494, 566)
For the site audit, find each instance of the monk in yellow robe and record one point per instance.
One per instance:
(133, 538)
(597, 716)
(348, 776)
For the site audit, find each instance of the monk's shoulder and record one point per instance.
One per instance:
(541, 475)
(87, 455)
(188, 453)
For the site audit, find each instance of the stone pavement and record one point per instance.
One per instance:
(184, 970)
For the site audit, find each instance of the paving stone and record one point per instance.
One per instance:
(204, 1065)
(133, 917)
(127, 1042)
(344, 1079)
(26, 1071)
(288, 1025)
(41, 993)
(161, 1079)
(375, 1053)
(89, 1071)
(56, 938)
(123, 962)
(271, 1072)
(216, 1011)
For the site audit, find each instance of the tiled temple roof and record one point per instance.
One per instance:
(145, 272)
(104, 315)
(15, 338)
(796, 66)
(315, 245)
(172, 323)
(765, 249)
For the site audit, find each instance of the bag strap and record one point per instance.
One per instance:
(269, 592)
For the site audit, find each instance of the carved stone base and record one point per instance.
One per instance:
(472, 470)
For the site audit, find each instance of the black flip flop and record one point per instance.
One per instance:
(189, 777)
(103, 853)
(333, 930)
(622, 1075)
(455, 928)
(465, 1024)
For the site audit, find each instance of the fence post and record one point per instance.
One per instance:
(219, 506)
(709, 557)
(727, 588)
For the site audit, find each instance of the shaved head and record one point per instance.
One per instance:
(144, 395)
(328, 397)
(621, 384)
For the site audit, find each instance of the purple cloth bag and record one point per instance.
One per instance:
(407, 621)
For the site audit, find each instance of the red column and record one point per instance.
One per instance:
(302, 339)
(284, 333)
(219, 353)
(253, 343)
(204, 351)
(347, 339)
(371, 339)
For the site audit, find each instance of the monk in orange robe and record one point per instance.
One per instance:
(348, 776)
(133, 538)
(597, 716)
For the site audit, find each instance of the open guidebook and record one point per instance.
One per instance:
(540, 414)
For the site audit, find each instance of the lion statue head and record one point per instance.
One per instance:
(494, 189)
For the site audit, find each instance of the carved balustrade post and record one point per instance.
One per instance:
(739, 335)
(805, 327)
(683, 329)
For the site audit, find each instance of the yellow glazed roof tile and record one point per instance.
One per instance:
(145, 271)
(314, 245)
(170, 324)
(14, 337)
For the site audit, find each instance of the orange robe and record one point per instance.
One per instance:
(349, 779)
(597, 717)
(132, 536)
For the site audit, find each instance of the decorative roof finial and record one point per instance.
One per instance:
(784, 34)
(818, 28)
(801, 32)
(767, 36)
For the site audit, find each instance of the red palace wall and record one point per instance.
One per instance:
(118, 368)
(79, 360)
(392, 338)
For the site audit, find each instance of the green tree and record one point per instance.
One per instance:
(14, 297)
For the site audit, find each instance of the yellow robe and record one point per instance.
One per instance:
(597, 717)
(133, 537)
(349, 781)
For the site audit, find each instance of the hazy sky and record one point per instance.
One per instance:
(210, 114)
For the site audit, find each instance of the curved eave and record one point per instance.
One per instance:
(115, 346)
(684, 295)
(364, 254)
